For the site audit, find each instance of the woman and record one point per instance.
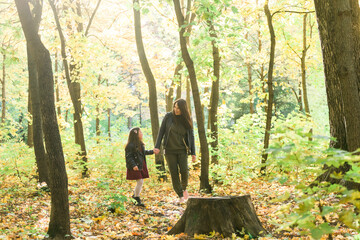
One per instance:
(177, 134)
(136, 162)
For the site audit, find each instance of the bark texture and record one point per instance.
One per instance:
(204, 148)
(35, 131)
(154, 115)
(97, 120)
(30, 133)
(249, 74)
(339, 22)
(176, 82)
(3, 90)
(59, 226)
(303, 68)
(36, 126)
(224, 215)
(214, 97)
(57, 90)
(75, 93)
(270, 86)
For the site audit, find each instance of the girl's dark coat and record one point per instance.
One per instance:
(134, 157)
(165, 130)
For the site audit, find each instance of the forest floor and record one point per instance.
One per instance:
(25, 208)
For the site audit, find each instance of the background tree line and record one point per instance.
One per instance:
(243, 66)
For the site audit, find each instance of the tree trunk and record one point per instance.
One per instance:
(303, 68)
(97, 121)
(261, 72)
(300, 93)
(140, 114)
(30, 133)
(159, 159)
(189, 18)
(109, 117)
(3, 90)
(57, 85)
(270, 87)
(249, 73)
(176, 82)
(59, 226)
(188, 94)
(66, 115)
(79, 130)
(75, 84)
(109, 123)
(214, 98)
(204, 148)
(30, 141)
(75, 74)
(224, 215)
(97, 124)
(303, 73)
(203, 109)
(129, 122)
(169, 96)
(37, 129)
(327, 176)
(178, 90)
(76, 90)
(75, 95)
(338, 22)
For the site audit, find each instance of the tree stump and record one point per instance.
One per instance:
(224, 215)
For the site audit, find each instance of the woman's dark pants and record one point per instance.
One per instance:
(176, 162)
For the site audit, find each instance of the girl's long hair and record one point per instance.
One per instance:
(185, 114)
(134, 138)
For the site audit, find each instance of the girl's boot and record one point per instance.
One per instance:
(138, 201)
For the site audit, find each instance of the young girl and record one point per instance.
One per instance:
(136, 162)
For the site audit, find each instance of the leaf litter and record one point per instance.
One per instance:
(101, 208)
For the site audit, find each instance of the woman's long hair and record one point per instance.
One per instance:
(185, 114)
(134, 138)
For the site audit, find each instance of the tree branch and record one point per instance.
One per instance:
(291, 47)
(92, 18)
(289, 11)
(62, 42)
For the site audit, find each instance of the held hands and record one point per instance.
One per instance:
(136, 168)
(156, 150)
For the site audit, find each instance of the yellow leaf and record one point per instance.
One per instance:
(212, 234)
(99, 219)
(347, 218)
(119, 211)
(169, 238)
(200, 236)
(338, 175)
(355, 195)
